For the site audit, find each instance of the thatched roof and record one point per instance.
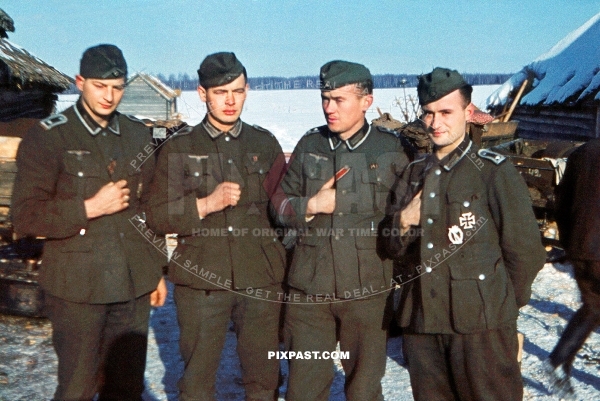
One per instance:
(567, 74)
(162, 89)
(20, 69)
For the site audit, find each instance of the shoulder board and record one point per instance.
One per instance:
(258, 127)
(494, 157)
(420, 158)
(183, 131)
(387, 130)
(313, 131)
(53, 121)
(134, 119)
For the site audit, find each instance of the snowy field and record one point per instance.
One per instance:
(288, 114)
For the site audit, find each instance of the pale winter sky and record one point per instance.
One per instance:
(295, 37)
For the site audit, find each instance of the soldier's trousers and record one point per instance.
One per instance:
(204, 318)
(585, 320)
(313, 327)
(100, 348)
(465, 367)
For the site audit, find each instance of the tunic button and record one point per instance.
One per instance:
(196, 174)
(82, 231)
(466, 204)
(438, 172)
(344, 192)
(432, 195)
(428, 269)
(430, 221)
(340, 214)
(482, 277)
(80, 174)
(261, 171)
(378, 179)
(430, 246)
(230, 161)
(337, 238)
(227, 139)
(122, 235)
(230, 228)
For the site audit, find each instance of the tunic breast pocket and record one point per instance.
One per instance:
(134, 182)
(83, 174)
(194, 172)
(466, 214)
(317, 170)
(256, 170)
(373, 192)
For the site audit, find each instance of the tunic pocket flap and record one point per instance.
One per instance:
(80, 164)
(462, 196)
(469, 265)
(254, 164)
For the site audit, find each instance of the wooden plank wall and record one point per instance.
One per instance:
(141, 99)
(566, 123)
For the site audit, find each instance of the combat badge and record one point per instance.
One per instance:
(455, 235)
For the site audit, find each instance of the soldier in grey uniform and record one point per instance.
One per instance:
(79, 186)
(578, 218)
(467, 248)
(212, 187)
(338, 283)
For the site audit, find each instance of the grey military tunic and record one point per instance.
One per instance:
(469, 266)
(336, 254)
(61, 163)
(237, 247)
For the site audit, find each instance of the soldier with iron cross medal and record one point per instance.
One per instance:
(466, 270)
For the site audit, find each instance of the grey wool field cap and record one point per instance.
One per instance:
(219, 69)
(439, 83)
(338, 73)
(103, 62)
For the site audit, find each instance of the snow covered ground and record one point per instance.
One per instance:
(28, 364)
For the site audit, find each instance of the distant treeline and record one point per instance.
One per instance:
(186, 82)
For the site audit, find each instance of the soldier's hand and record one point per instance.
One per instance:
(225, 194)
(110, 199)
(411, 214)
(158, 296)
(323, 201)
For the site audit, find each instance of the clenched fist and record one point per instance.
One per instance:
(323, 201)
(225, 194)
(110, 199)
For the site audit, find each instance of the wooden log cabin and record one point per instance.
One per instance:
(28, 86)
(562, 94)
(146, 96)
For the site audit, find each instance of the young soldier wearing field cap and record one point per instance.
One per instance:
(212, 187)
(467, 248)
(338, 283)
(76, 186)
